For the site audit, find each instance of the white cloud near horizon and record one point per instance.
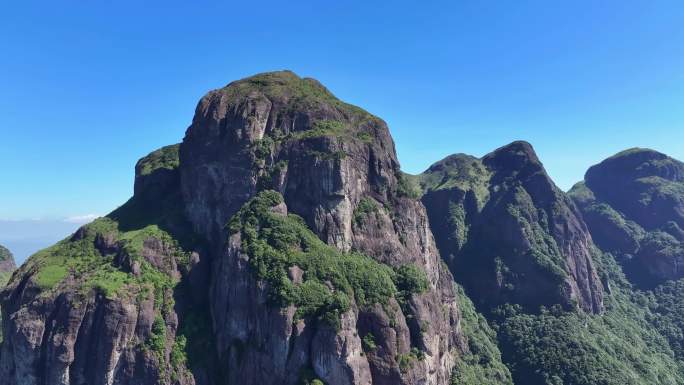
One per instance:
(81, 219)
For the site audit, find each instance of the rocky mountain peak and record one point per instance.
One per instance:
(633, 203)
(513, 156)
(279, 131)
(280, 244)
(281, 102)
(644, 185)
(6, 255)
(510, 231)
(334, 166)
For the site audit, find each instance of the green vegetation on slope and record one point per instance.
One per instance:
(629, 229)
(165, 157)
(535, 224)
(365, 208)
(461, 171)
(80, 258)
(113, 256)
(615, 348)
(482, 364)
(581, 194)
(323, 128)
(408, 185)
(659, 188)
(667, 304)
(331, 279)
(92, 260)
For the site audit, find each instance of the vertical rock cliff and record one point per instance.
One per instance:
(335, 167)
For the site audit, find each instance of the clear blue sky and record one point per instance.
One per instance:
(86, 88)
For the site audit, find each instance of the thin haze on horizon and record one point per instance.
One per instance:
(89, 89)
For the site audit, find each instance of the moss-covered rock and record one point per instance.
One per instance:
(330, 280)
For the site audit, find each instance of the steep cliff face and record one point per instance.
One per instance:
(633, 203)
(335, 166)
(277, 244)
(509, 234)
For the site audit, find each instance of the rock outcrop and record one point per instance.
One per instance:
(336, 279)
(102, 306)
(508, 233)
(633, 203)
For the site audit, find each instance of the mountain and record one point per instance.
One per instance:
(280, 243)
(274, 245)
(562, 308)
(633, 202)
(511, 236)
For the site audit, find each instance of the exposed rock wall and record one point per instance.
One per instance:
(327, 158)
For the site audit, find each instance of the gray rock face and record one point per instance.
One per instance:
(326, 157)
(68, 336)
(284, 346)
(95, 309)
(509, 234)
